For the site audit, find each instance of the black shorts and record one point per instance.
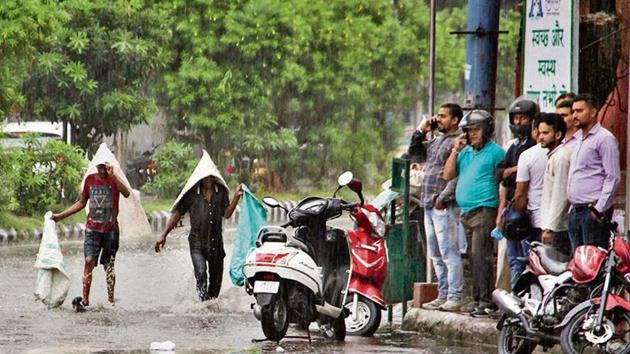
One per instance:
(103, 244)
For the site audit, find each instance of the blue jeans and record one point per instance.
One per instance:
(441, 227)
(517, 249)
(584, 230)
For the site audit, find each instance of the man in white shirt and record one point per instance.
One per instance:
(555, 205)
(527, 198)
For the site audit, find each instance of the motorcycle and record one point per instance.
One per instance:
(369, 269)
(142, 169)
(542, 296)
(601, 324)
(304, 277)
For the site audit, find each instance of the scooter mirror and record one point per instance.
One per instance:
(270, 201)
(345, 178)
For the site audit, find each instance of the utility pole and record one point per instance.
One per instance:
(432, 59)
(481, 54)
(626, 217)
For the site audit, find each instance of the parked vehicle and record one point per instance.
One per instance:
(142, 169)
(601, 324)
(12, 135)
(369, 271)
(304, 277)
(540, 299)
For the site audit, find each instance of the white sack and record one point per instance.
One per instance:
(132, 219)
(53, 281)
(205, 168)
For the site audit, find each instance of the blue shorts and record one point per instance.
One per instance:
(103, 244)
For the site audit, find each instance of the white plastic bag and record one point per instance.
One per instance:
(53, 281)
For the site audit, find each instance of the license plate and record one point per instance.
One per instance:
(270, 287)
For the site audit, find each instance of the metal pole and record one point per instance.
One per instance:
(429, 265)
(481, 54)
(432, 59)
(626, 219)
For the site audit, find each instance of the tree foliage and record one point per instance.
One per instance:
(25, 25)
(174, 163)
(305, 89)
(45, 175)
(95, 70)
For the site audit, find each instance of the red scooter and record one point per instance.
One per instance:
(369, 268)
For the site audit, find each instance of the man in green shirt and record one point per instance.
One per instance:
(473, 161)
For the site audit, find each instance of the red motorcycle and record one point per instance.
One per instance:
(602, 323)
(369, 271)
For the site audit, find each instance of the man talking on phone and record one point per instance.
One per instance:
(472, 160)
(441, 217)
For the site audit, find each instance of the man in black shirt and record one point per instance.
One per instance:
(207, 204)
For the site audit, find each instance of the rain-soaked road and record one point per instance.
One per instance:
(156, 302)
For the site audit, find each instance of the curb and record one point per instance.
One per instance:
(157, 220)
(452, 326)
(457, 327)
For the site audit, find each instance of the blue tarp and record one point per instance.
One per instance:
(253, 216)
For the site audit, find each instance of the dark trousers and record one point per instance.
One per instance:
(584, 230)
(561, 243)
(478, 224)
(208, 273)
(520, 249)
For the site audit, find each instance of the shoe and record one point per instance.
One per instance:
(469, 307)
(493, 313)
(480, 311)
(434, 305)
(451, 305)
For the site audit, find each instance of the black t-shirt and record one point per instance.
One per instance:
(511, 159)
(206, 218)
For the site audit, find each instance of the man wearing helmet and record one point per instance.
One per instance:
(521, 115)
(473, 159)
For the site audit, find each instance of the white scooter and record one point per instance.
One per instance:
(302, 278)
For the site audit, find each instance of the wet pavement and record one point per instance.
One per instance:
(156, 302)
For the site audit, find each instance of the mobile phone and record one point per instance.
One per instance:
(467, 139)
(434, 124)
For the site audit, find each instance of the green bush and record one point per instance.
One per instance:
(46, 175)
(7, 187)
(174, 164)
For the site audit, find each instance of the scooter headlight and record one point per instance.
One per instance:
(378, 225)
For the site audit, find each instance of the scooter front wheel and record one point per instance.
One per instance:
(367, 318)
(275, 319)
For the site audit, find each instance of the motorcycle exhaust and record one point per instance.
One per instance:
(257, 311)
(507, 302)
(510, 305)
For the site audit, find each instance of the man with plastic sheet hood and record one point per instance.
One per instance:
(205, 198)
(103, 184)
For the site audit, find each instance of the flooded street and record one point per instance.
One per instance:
(156, 302)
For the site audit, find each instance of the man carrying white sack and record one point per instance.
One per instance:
(102, 186)
(205, 198)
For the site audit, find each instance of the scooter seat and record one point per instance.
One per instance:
(293, 242)
(553, 261)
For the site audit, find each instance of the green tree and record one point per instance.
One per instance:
(326, 71)
(24, 26)
(96, 71)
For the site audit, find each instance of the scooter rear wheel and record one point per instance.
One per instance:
(275, 319)
(368, 317)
